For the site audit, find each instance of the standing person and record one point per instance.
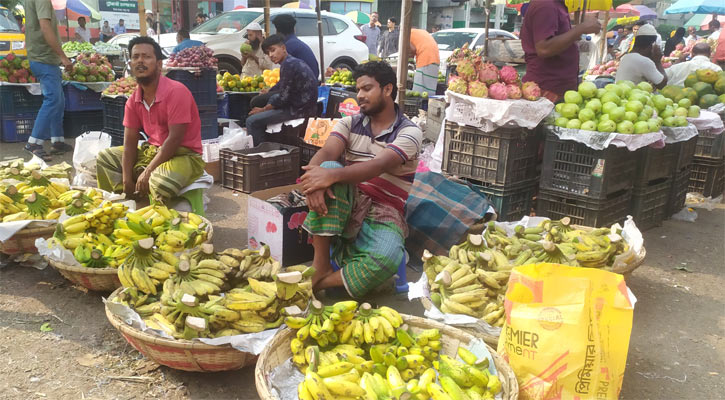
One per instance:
(677, 38)
(714, 29)
(82, 33)
(183, 40)
(45, 54)
(677, 73)
(166, 111)
(150, 23)
(550, 46)
(119, 28)
(357, 210)
(427, 61)
(389, 39)
(624, 44)
(691, 36)
(294, 96)
(255, 62)
(372, 33)
(285, 25)
(644, 62)
(106, 32)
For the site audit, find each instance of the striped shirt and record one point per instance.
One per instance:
(403, 137)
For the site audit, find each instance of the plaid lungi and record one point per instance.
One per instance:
(185, 167)
(426, 79)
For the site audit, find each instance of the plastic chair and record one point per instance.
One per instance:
(401, 280)
(195, 197)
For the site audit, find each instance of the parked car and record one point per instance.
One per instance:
(12, 40)
(451, 39)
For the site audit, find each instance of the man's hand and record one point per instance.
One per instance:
(316, 178)
(67, 64)
(256, 110)
(142, 183)
(316, 201)
(590, 25)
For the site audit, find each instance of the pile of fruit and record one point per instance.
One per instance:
(270, 76)
(76, 47)
(90, 67)
(342, 76)
(15, 69)
(350, 352)
(193, 57)
(109, 230)
(705, 88)
(622, 107)
(414, 93)
(124, 86)
(473, 278)
(482, 79)
(29, 193)
(441, 77)
(236, 83)
(609, 68)
(201, 293)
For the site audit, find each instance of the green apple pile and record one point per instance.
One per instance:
(623, 108)
(414, 93)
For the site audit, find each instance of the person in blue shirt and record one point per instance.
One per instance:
(285, 25)
(294, 96)
(119, 28)
(184, 41)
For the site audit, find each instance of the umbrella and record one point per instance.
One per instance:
(697, 7)
(642, 12)
(702, 21)
(621, 21)
(358, 17)
(77, 6)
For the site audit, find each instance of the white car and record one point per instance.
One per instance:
(451, 39)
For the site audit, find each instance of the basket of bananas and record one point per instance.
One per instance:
(101, 238)
(346, 351)
(204, 294)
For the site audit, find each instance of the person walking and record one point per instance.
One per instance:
(427, 61)
(389, 39)
(42, 41)
(372, 34)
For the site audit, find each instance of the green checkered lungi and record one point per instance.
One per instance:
(166, 181)
(426, 79)
(368, 256)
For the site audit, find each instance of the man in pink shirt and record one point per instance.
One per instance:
(166, 111)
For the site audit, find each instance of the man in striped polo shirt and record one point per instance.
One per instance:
(357, 210)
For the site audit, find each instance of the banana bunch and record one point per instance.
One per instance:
(80, 202)
(18, 170)
(259, 264)
(28, 201)
(133, 271)
(203, 277)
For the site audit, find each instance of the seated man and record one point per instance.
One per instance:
(167, 113)
(294, 96)
(358, 209)
(183, 40)
(677, 73)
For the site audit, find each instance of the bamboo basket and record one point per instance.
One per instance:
(184, 355)
(278, 351)
(96, 279)
(23, 241)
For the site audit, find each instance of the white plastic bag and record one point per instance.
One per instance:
(87, 147)
(235, 138)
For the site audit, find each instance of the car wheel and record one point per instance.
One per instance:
(350, 65)
(226, 66)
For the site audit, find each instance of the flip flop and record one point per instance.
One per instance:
(38, 150)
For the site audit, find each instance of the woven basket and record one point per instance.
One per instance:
(96, 279)
(184, 355)
(278, 351)
(23, 241)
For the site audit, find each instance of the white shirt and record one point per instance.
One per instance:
(677, 73)
(84, 33)
(638, 68)
(715, 35)
(691, 39)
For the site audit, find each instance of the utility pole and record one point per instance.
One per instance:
(266, 17)
(141, 18)
(403, 48)
(319, 35)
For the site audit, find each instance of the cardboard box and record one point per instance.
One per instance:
(318, 130)
(214, 168)
(281, 231)
(341, 103)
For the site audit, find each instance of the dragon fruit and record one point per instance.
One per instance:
(458, 85)
(466, 69)
(498, 91)
(477, 89)
(531, 91)
(514, 91)
(488, 74)
(509, 75)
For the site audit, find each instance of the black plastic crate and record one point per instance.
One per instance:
(413, 104)
(584, 210)
(222, 105)
(239, 106)
(707, 176)
(202, 84)
(81, 100)
(709, 144)
(504, 156)
(441, 88)
(653, 164)
(685, 153)
(113, 111)
(209, 122)
(246, 172)
(116, 137)
(649, 203)
(17, 100)
(511, 203)
(678, 191)
(78, 122)
(17, 128)
(572, 167)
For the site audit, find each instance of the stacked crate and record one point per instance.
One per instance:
(652, 185)
(113, 112)
(685, 152)
(83, 111)
(18, 109)
(500, 164)
(202, 86)
(707, 175)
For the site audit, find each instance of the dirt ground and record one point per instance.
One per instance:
(676, 350)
